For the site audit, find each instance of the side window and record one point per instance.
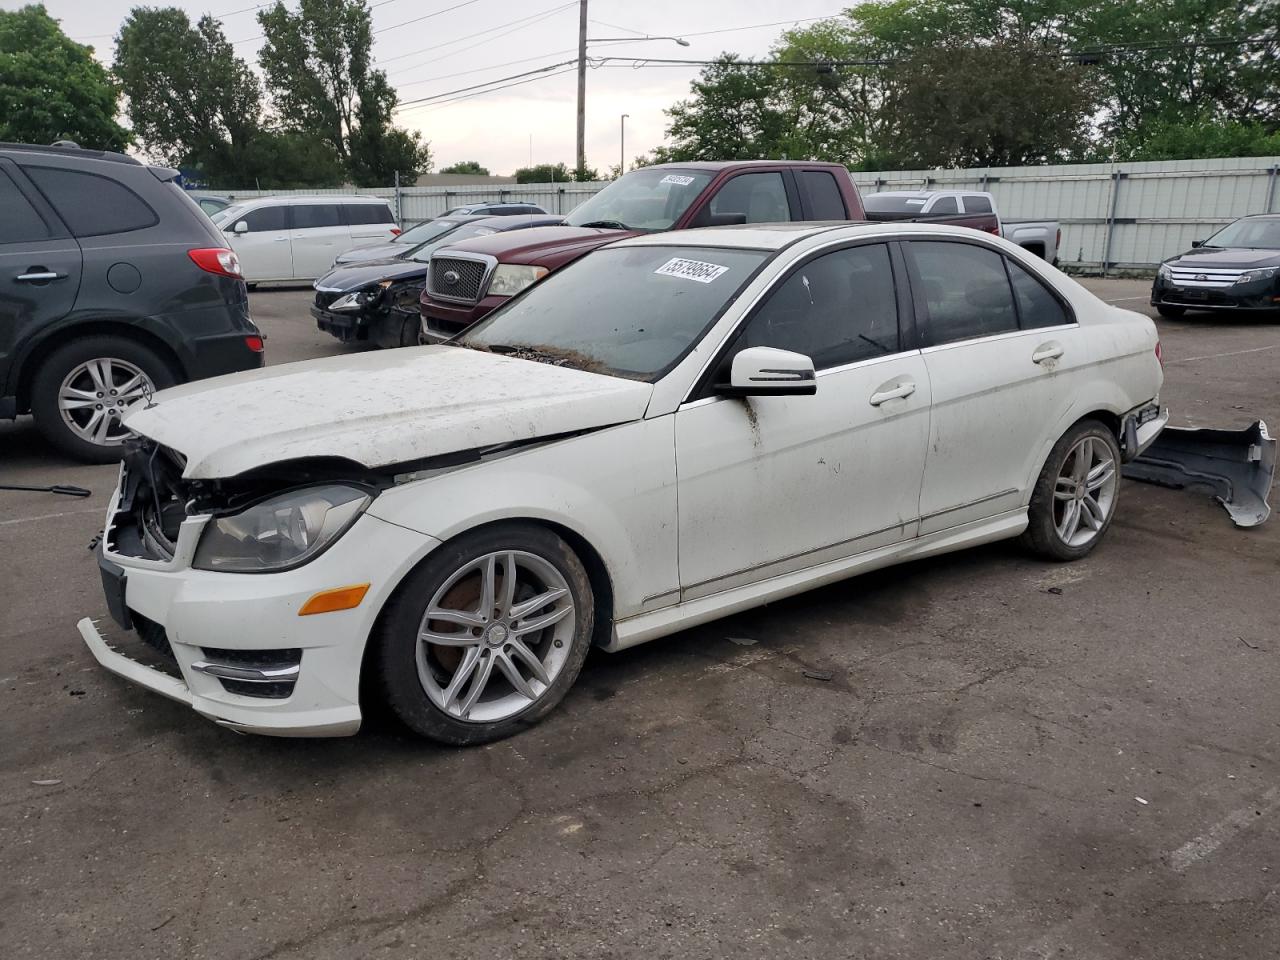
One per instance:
(361, 213)
(307, 216)
(1037, 307)
(944, 206)
(92, 205)
(824, 195)
(836, 309)
(761, 196)
(966, 290)
(977, 204)
(266, 219)
(19, 221)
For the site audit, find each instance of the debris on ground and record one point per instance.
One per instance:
(741, 641)
(818, 674)
(1056, 591)
(46, 783)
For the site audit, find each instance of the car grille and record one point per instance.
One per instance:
(325, 297)
(452, 278)
(1204, 277)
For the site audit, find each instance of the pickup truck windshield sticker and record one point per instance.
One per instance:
(695, 270)
(677, 180)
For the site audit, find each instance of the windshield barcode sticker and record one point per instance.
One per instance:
(678, 180)
(691, 270)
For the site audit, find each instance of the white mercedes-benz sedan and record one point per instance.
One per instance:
(672, 429)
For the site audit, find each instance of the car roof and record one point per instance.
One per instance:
(925, 193)
(775, 236)
(716, 165)
(287, 199)
(73, 152)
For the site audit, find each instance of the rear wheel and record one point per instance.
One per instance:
(1075, 498)
(487, 636)
(81, 391)
(1170, 313)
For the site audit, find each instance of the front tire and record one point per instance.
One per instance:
(486, 637)
(1170, 313)
(82, 390)
(1074, 500)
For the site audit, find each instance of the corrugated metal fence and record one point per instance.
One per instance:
(1113, 216)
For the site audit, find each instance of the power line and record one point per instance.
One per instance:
(534, 17)
(372, 6)
(480, 93)
(477, 86)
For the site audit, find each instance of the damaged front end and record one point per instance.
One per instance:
(1238, 466)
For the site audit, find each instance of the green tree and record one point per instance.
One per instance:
(1206, 136)
(52, 88)
(191, 100)
(318, 68)
(467, 166)
(544, 173)
(1033, 107)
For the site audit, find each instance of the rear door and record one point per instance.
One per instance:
(319, 234)
(368, 222)
(265, 252)
(40, 269)
(1003, 355)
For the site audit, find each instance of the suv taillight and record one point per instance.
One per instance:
(395, 231)
(217, 260)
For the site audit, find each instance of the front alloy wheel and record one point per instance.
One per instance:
(487, 636)
(94, 395)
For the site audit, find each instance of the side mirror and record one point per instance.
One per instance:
(1197, 243)
(240, 227)
(726, 219)
(770, 372)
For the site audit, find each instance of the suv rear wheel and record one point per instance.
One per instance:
(82, 390)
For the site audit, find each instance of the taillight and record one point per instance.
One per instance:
(217, 260)
(396, 231)
(1159, 355)
(254, 344)
(994, 231)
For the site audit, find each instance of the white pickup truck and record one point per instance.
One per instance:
(1040, 237)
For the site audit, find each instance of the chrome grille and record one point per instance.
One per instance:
(453, 278)
(1204, 276)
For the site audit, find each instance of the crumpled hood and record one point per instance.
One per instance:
(1238, 257)
(379, 408)
(344, 279)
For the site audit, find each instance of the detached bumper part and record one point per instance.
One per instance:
(1239, 466)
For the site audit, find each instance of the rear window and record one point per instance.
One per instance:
(945, 205)
(19, 221)
(977, 204)
(359, 213)
(308, 216)
(824, 195)
(92, 205)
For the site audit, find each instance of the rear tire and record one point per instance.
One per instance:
(522, 645)
(1170, 313)
(1075, 497)
(72, 396)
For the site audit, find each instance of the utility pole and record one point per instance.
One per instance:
(582, 85)
(622, 145)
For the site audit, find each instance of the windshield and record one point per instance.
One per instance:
(890, 203)
(461, 231)
(1259, 234)
(642, 200)
(427, 231)
(627, 311)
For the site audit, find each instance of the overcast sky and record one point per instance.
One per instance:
(496, 128)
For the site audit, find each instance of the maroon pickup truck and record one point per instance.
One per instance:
(466, 281)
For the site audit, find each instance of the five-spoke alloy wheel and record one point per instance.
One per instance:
(487, 635)
(1075, 498)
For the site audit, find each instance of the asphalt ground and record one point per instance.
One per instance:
(1011, 759)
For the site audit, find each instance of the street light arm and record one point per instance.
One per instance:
(680, 40)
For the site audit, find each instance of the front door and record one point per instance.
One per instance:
(772, 484)
(265, 252)
(39, 268)
(1002, 353)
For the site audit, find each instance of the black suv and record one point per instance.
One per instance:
(113, 284)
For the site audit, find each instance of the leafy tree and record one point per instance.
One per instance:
(467, 166)
(52, 88)
(191, 100)
(544, 173)
(1204, 137)
(1033, 107)
(318, 67)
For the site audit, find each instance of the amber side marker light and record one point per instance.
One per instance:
(339, 598)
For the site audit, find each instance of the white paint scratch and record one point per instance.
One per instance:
(1215, 356)
(1197, 848)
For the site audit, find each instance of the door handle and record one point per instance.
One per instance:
(282, 239)
(1046, 352)
(904, 389)
(39, 275)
